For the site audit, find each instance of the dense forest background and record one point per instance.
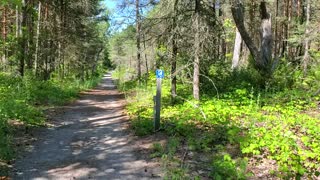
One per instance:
(268, 38)
(49, 51)
(242, 83)
(241, 93)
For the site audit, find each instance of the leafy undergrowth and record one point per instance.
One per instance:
(23, 99)
(240, 131)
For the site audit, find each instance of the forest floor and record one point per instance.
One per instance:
(87, 139)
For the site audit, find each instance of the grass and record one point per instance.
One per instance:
(23, 99)
(257, 123)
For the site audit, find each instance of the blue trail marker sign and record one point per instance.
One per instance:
(157, 100)
(159, 74)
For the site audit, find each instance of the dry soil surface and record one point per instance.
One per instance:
(89, 140)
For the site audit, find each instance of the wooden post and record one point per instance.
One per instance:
(157, 100)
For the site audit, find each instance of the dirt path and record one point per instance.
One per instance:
(89, 141)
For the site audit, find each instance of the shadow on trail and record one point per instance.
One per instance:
(89, 141)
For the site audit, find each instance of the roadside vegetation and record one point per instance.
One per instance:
(49, 52)
(23, 101)
(240, 129)
(241, 90)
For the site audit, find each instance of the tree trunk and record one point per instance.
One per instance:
(37, 40)
(276, 42)
(174, 54)
(196, 63)
(307, 41)
(289, 48)
(262, 58)
(236, 51)
(23, 40)
(138, 38)
(238, 16)
(266, 44)
(4, 37)
(285, 28)
(29, 35)
(60, 40)
(145, 55)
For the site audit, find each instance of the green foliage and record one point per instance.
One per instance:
(270, 121)
(21, 99)
(224, 167)
(169, 149)
(6, 152)
(172, 171)
(158, 150)
(142, 127)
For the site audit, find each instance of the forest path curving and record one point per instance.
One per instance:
(90, 140)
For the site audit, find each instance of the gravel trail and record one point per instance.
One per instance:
(90, 140)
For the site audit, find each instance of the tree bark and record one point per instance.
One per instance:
(23, 39)
(307, 41)
(276, 42)
(196, 63)
(236, 51)
(37, 40)
(145, 55)
(262, 58)
(174, 53)
(238, 16)
(4, 36)
(138, 38)
(266, 33)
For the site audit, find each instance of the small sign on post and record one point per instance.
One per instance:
(157, 99)
(159, 74)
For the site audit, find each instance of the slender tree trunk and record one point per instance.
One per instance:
(298, 9)
(196, 63)
(174, 53)
(145, 55)
(37, 40)
(173, 69)
(29, 35)
(23, 40)
(307, 41)
(4, 37)
(138, 38)
(285, 28)
(236, 51)
(64, 25)
(289, 48)
(276, 42)
(222, 39)
(17, 22)
(60, 40)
